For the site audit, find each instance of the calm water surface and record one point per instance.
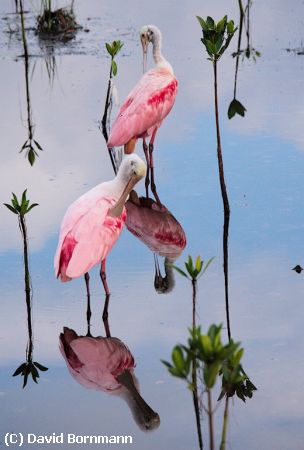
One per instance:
(264, 164)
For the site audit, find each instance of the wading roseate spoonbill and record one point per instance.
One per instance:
(147, 105)
(159, 230)
(93, 223)
(106, 364)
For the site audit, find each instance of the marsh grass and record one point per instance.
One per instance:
(56, 24)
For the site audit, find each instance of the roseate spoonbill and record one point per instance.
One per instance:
(147, 105)
(159, 230)
(106, 364)
(93, 223)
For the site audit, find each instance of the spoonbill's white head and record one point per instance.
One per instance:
(132, 166)
(131, 170)
(149, 33)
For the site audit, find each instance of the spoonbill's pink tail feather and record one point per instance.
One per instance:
(66, 253)
(66, 338)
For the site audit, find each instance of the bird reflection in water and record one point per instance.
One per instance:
(158, 229)
(106, 364)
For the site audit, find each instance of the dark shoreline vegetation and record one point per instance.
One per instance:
(56, 24)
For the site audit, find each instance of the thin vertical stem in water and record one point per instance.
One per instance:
(194, 373)
(194, 303)
(27, 283)
(225, 423)
(248, 23)
(23, 28)
(224, 197)
(105, 119)
(210, 419)
(26, 67)
(196, 404)
(72, 7)
(239, 46)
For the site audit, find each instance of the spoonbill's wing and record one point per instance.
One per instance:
(95, 234)
(76, 211)
(146, 106)
(87, 238)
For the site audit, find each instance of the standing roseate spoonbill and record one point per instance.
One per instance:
(146, 106)
(106, 364)
(93, 223)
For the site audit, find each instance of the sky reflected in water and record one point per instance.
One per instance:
(264, 166)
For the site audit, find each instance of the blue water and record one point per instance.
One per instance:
(264, 163)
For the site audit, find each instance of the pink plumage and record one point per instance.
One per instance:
(106, 364)
(95, 362)
(145, 107)
(87, 235)
(93, 223)
(155, 226)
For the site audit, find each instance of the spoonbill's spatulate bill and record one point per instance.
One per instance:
(93, 223)
(147, 105)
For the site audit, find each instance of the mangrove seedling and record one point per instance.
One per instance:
(29, 367)
(213, 358)
(234, 382)
(216, 39)
(21, 208)
(193, 273)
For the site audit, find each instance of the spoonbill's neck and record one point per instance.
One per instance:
(159, 59)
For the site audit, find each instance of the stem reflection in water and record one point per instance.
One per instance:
(31, 146)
